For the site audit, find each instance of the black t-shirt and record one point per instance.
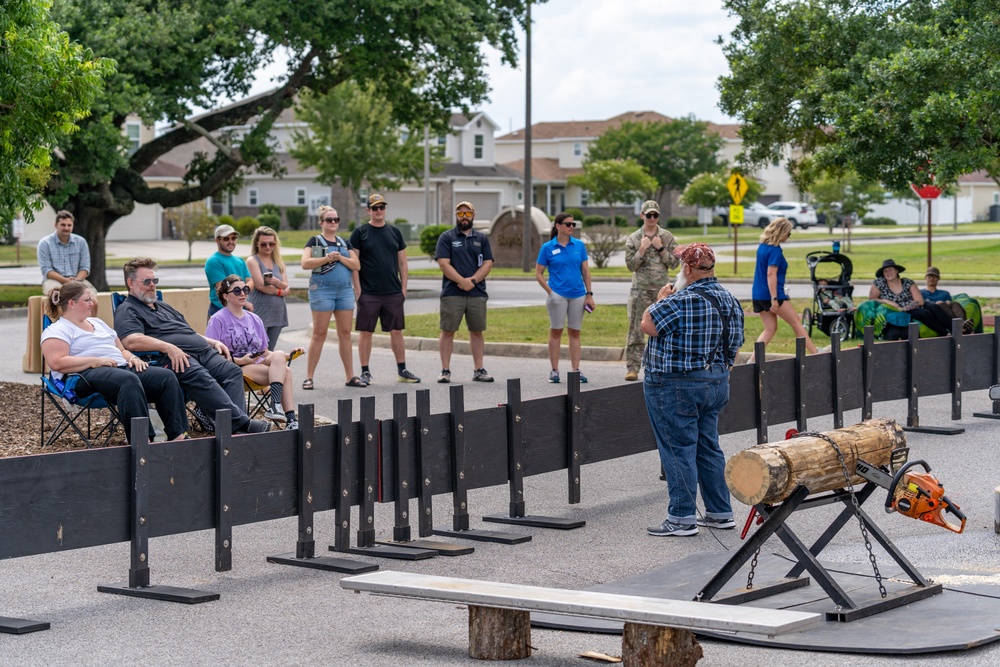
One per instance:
(377, 248)
(162, 322)
(466, 253)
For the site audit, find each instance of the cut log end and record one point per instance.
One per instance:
(499, 634)
(655, 645)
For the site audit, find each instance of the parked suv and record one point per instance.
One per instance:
(800, 214)
(754, 215)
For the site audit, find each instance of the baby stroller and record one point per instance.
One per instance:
(833, 307)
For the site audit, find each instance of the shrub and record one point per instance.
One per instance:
(681, 223)
(295, 216)
(883, 222)
(351, 225)
(429, 237)
(577, 213)
(246, 225)
(621, 221)
(405, 228)
(269, 209)
(227, 220)
(269, 220)
(592, 220)
(603, 241)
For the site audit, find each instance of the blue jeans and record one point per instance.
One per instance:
(684, 411)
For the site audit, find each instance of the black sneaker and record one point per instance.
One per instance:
(445, 377)
(667, 529)
(721, 524)
(481, 376)
(406, 376)
(257, 426)
(366, 377)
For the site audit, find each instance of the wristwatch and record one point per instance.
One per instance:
(660, 249)
(473, 280)
(589, 294)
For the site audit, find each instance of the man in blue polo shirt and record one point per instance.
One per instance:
(465, 258)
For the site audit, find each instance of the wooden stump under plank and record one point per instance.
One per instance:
(648, 645)
(769, 473)
(499, 634)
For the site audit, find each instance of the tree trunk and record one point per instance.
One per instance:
(92, 224)
(654, 645)
(499, 634)
(769, 473)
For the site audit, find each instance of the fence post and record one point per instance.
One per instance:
(573, 435)
(995, 412)
(913, 394)
(838, 383)
(223, 497)
(801, 416)
(760, 374)
(867, 371)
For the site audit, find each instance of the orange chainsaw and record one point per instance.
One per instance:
(918, 495)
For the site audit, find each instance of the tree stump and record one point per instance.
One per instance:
(648, 645)
(499, 634)
(769, 473)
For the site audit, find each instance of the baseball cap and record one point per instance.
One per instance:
(649, 205)
(933, 271)
(225, 230)
(696, 255)
(465, 203)
(376, 198)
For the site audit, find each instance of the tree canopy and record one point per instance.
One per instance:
(614, 181)
(671, 152)
(709, 190)
(47, 83)
(894, 90)
(174, 58)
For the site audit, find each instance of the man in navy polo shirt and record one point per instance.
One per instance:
(465, 258)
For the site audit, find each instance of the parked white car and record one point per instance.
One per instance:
(754, 215)
(800, 214)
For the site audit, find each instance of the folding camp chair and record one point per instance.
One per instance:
(72, 408)
(259, 396)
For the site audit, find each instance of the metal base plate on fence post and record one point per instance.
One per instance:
(483, 536)
(381, 550)
(20, 626)
(556, 522)
(987, 415)
(162, 593)
(936, 430)
(443, 548)
(324, 563)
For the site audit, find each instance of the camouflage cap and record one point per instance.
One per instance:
(696, 255)
(376, 198)
(649, 205)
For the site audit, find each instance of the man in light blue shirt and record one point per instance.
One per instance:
(63, 256)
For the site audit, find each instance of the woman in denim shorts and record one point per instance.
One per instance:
(332, 261)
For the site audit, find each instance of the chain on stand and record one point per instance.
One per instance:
(753, 566)
(854, 503)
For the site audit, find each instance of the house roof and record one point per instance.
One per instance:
(977, 177)
(164, 169)
(455, 170)
(590, 129)
(543, 169)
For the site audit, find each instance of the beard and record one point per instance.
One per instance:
(681, 281)
(464, 225)
(146, 298)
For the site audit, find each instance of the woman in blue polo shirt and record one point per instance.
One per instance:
(567, 287)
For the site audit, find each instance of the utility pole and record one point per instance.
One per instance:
(527, 231)
(428, 211)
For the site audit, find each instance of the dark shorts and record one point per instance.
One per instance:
(453, 308)
(385, 307)
(761, 306)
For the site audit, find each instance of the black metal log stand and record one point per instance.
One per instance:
(913, 364)
(367, 544)
(415, 437)
(517, 454)
(138, 574)
(807, 559)
(305, 546)
(995, 413)
(460, 483)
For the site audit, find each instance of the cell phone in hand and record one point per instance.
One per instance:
(254, 355)
(268, 275)
(587, 307)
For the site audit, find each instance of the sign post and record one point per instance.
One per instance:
(738, 187)
(927, 193)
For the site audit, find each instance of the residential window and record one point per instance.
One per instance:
(996, 197)
(132, 134)
(252, 196)
(404, 136)
(479, 147)
(300, 196)
(442, 140)
(577, 149)
(585, 198)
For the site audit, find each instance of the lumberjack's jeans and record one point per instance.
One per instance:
(684, 411)
(130, 392)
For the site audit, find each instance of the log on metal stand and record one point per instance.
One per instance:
(769, 473)
(656, 645)
(499, 634)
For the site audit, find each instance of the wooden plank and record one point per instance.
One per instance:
(635, 609)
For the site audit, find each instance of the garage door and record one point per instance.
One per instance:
(487, 203)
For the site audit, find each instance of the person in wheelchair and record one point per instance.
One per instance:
(80, 344)
(244, 334)
(833, 299)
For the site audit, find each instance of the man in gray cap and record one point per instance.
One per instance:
(648, 255)
(224, 263)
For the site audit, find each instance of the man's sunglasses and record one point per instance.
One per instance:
(378, 207)
(465, 214)
(571, 225)
(334, 219)
(239, 290)
(150, 281)
(652, 215)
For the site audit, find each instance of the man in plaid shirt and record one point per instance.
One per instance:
(63, 256)
(695, 331)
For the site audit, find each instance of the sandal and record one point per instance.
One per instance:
(356, 382)
(307, 383)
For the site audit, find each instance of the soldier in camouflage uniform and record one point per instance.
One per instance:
(649, 252)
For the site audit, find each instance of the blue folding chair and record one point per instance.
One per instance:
(72, 408)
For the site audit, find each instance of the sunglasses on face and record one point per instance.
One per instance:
(150, 281)
(239, 290)
(571, 225)
(650, 216)
(464, 214)
(267, 245)
(378, 207)
(335, 219)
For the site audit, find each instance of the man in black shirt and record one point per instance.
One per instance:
(209, 378)
(380, 287)
(465, 258)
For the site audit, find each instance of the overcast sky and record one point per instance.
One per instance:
(594, 59)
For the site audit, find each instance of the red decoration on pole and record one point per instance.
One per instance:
(926, 191)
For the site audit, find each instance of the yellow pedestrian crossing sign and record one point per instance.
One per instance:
(737, 187)
(736, 214)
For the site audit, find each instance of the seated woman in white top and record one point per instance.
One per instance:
(245, 336)
(77, 343)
